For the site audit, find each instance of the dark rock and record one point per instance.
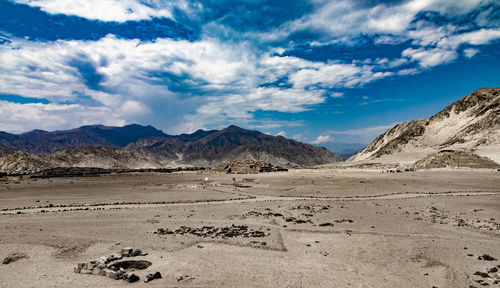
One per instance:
(482, 274)
(131, 278)
(486, 257)
(493, 270)
(136, 252)
(151, 277)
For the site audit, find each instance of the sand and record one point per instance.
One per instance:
(323, 227)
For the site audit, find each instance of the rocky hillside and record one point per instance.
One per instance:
(20, 162)
(471, 124)
(202, 148)
(233, 143)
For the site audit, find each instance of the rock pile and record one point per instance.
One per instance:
(455, 159)
(109, 267)
(266, 214)
(214, 232)
(246, 167)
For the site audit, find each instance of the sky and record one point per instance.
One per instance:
(316, 71)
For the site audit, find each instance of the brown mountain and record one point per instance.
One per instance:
(233, 143)
(202, 148)
(471, 125)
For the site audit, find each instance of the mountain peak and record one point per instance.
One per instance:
(470, 124)
(233, 127)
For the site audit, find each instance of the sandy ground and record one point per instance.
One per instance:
(322, 227)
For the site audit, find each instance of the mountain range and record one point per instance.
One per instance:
(135, 146)
(466, 132)
(469, 125)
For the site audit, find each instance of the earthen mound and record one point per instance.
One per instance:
(455, 159)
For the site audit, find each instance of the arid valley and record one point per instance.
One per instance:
(325, 227)
(250, 143)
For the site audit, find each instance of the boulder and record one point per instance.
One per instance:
(135, 252)
(151, 277)
(96, 271)
(126, 251)
(131, 277)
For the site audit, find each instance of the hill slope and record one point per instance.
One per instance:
(20, 162)
(471, 124)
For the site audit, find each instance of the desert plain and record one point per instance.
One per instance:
(325, 227)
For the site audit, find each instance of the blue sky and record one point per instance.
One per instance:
(317, 71)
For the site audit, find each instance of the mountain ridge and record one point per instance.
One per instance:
(470, 124)
(201, 148)
(40, 141)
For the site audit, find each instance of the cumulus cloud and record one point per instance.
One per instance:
(134, 108)
(430, 57)
(322, 139)
(126, 75)
(107, 10)
(281, 133)
(232, 71)
(22, 117)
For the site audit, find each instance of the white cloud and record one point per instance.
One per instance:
(371, 130)
(381, 101)
(430, 57)
(23, 117)
(479, 37)
(344, 17)
(343, 21)
(336, 94)
(408, 71)
(281, 133)
(210, 81)
(322, 139)
(470, 52)
(134, 108)
(107, 10)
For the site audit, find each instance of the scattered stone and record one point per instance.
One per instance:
(344, 220)
(246, 167)
(179, 278)
(215, 232)
(325, 224)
